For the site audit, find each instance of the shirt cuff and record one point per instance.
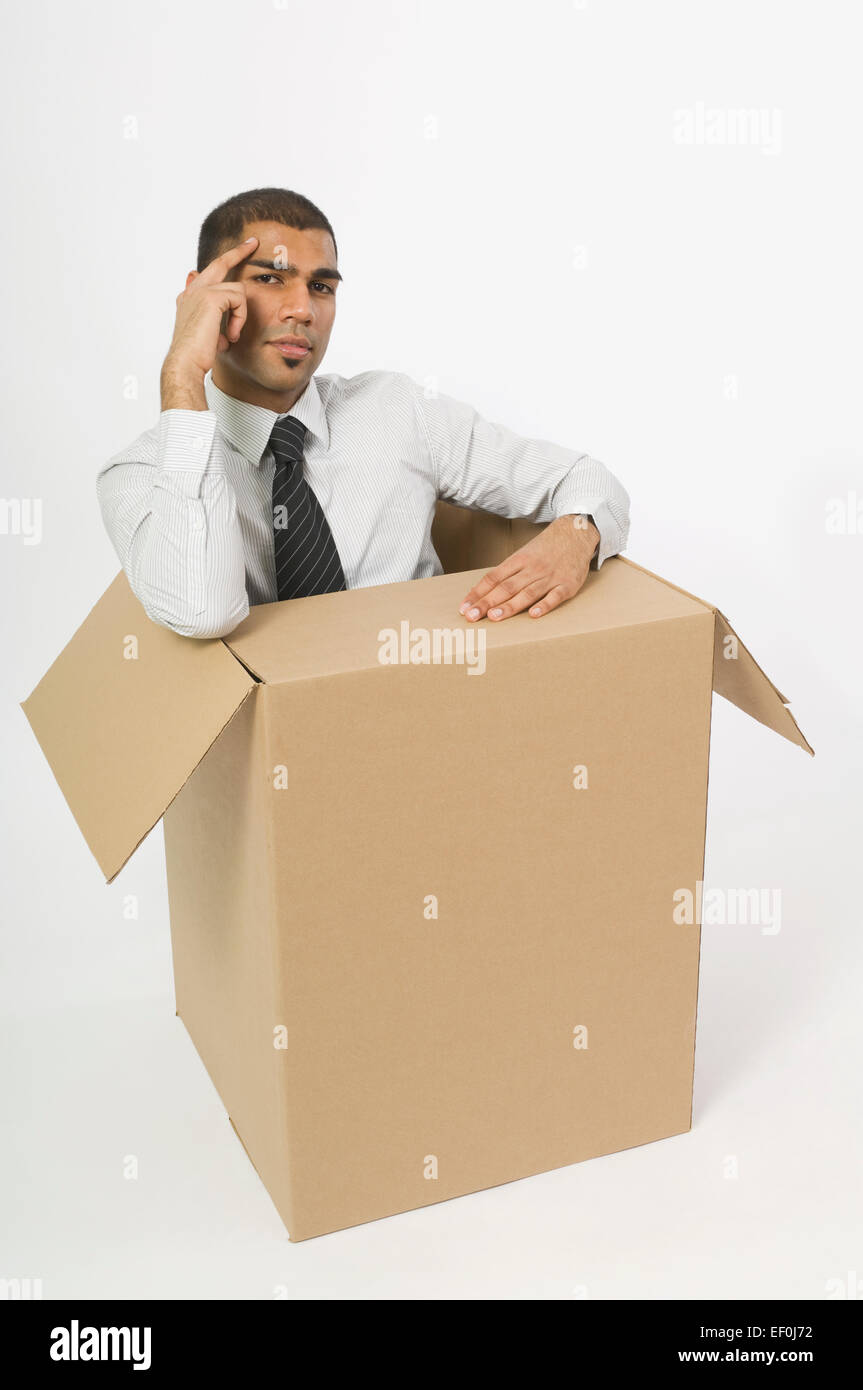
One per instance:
(186, 441)
(600, 514)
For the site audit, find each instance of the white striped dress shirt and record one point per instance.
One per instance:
(188, 505)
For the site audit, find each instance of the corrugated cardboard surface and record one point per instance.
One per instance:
(124, 714)
(452, 532)
(737, 676)
(449, 1040)
(430, 1051)
(218, 835)
(328, 634)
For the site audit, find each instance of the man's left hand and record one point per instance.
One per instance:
(539, 576)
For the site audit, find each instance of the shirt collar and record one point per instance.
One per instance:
(248, 427)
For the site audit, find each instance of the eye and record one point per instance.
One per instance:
(323, 286)
(267, 276)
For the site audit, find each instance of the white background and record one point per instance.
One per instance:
(516, 220)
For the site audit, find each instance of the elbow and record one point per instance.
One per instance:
(207, 625)
(208, 628)
(203, 625)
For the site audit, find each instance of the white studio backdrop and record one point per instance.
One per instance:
(633, 229)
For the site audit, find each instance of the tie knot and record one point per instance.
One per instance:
(287, 439)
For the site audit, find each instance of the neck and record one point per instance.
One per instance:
(244, 389)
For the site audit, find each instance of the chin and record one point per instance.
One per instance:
(287, 369)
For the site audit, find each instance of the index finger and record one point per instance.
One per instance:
(510, 566)
(215, 272)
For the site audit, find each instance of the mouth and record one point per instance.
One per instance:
(292, 347)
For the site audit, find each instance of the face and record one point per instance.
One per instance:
(290, 281)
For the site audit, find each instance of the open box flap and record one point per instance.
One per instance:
(738, 677)
(124, 716)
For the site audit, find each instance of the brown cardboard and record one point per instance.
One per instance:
(393, 908)
(738, 677)
(124, 715)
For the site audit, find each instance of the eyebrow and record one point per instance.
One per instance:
(324, 272)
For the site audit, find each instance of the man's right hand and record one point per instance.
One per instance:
(198, 338)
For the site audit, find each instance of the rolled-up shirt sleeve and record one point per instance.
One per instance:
(484, 465)
(171, 513)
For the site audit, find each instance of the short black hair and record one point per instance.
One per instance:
(226, 222)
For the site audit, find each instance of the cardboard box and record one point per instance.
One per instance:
(422, 911)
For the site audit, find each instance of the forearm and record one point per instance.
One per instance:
(480, 464)
(171, 514)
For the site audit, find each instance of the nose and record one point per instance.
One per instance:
(296, 304)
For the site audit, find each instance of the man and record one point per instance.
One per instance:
(262, 481)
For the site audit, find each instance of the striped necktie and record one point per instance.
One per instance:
(307, 561)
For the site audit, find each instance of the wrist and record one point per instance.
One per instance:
(181, 388)
(584, 524)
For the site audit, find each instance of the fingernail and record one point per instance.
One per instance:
(474, 613)
(495, 612)
(462, 607)
(535, 612)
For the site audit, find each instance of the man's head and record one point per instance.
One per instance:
(290, 282)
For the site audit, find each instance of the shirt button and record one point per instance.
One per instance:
(198, 442)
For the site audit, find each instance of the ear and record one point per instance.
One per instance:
(192, 275)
